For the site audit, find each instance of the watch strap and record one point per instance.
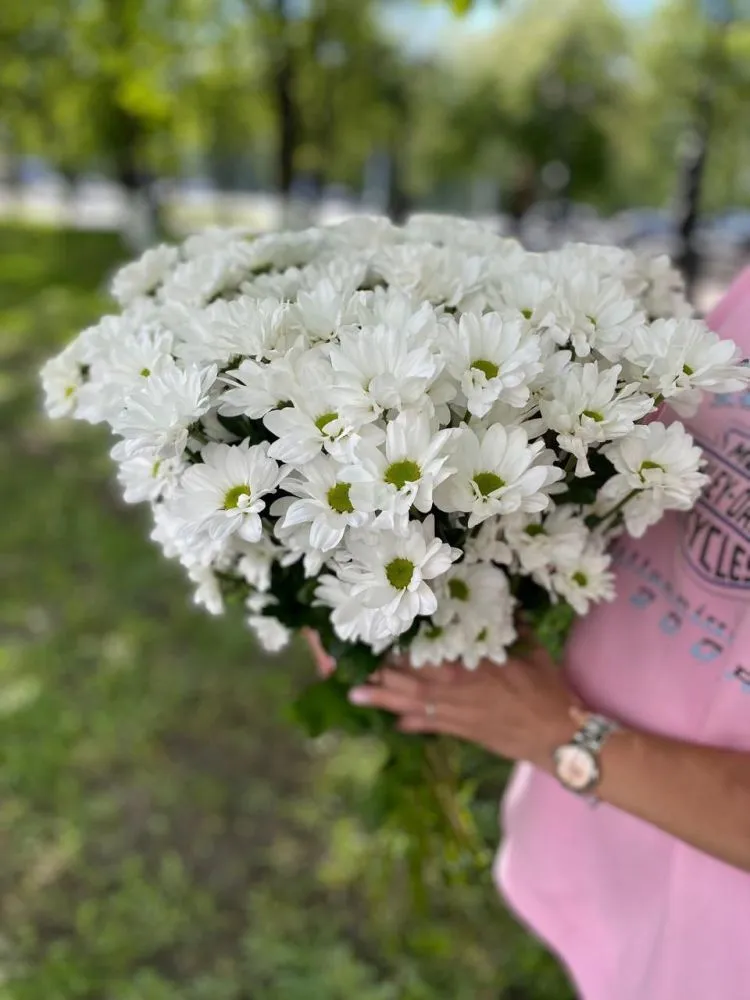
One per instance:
(594, 732)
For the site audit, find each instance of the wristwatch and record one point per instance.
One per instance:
(577, 763)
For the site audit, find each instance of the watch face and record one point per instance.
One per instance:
(576, 767)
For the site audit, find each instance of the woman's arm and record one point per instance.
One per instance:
(523, 710)
(700, 795)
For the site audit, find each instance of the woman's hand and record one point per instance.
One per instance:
(325, 663)
(522, 710)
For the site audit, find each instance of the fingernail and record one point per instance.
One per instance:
(359, 696)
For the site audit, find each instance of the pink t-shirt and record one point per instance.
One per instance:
(634, 913)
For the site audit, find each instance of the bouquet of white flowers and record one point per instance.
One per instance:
(400, 436)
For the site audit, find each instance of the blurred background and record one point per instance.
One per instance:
(165, 832)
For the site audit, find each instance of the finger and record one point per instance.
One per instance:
(435, 724)
(370, 696)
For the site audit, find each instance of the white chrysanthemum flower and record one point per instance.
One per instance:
(224, 495)
(257, 328)
(255, 388)
(315, 422)
(156, 417)
(658, 469)
(62, 379)
(272, 636)
(470, 591)
(400, 474)
(585, 407)
(496, 473)
(213, 239)
(436, 644)
(144, 477)
(587, 579)
(488, 544)
(256, 560)
(207, 593)
(119, 367)
(197, 282)
(351, 622)
(320, 313)
(391, 574)
(494, 359)
(674, 357)
(533, 296)
(383, 370)
(324, 503)
(603, 317)
(539, 544)
(144, 275)
(442, 275)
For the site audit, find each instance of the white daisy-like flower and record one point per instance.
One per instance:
(207, 593)
(400, 474)
(435, 644)
(256, 560)
(541, 543)
(494, 359)
(351, 622)
(145, 477)
(658, 469)
(471, 591)
(197, 282)
(316, 422)
(255, 388)
(391, 574)
(224, 494)
(587, 408)
(272, 636)
(324, 503)
(144, 275)
(603, 318)
(62, 379)
(489, 639)
(383, 370)
(675, 357)
(320, 313)
(499, 472)
(213, 239)
(156, 417)
(244, 327)
(587, 579)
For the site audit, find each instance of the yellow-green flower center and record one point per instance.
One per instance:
(70, 391)
(458, 590)
(399, 573)
(688, 370)
(324, 420)
(580, 578)
(526, 313)
(398, 474)
(481, 636)
(532, 530)
(155, 468)
(488, 482)
(234, 497)
(488, 368)
(338, 498)
(145, 372)
(594, 415)
(646, 465)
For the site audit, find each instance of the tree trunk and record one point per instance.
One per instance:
(286, 110)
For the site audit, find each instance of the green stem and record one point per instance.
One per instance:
(617, 508)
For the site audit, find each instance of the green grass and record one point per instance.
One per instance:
(164, 832)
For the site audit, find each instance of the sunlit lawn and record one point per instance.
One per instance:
(164, 832)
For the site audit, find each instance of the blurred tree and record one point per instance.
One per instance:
(537, 98)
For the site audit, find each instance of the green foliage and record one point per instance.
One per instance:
(165, 832)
